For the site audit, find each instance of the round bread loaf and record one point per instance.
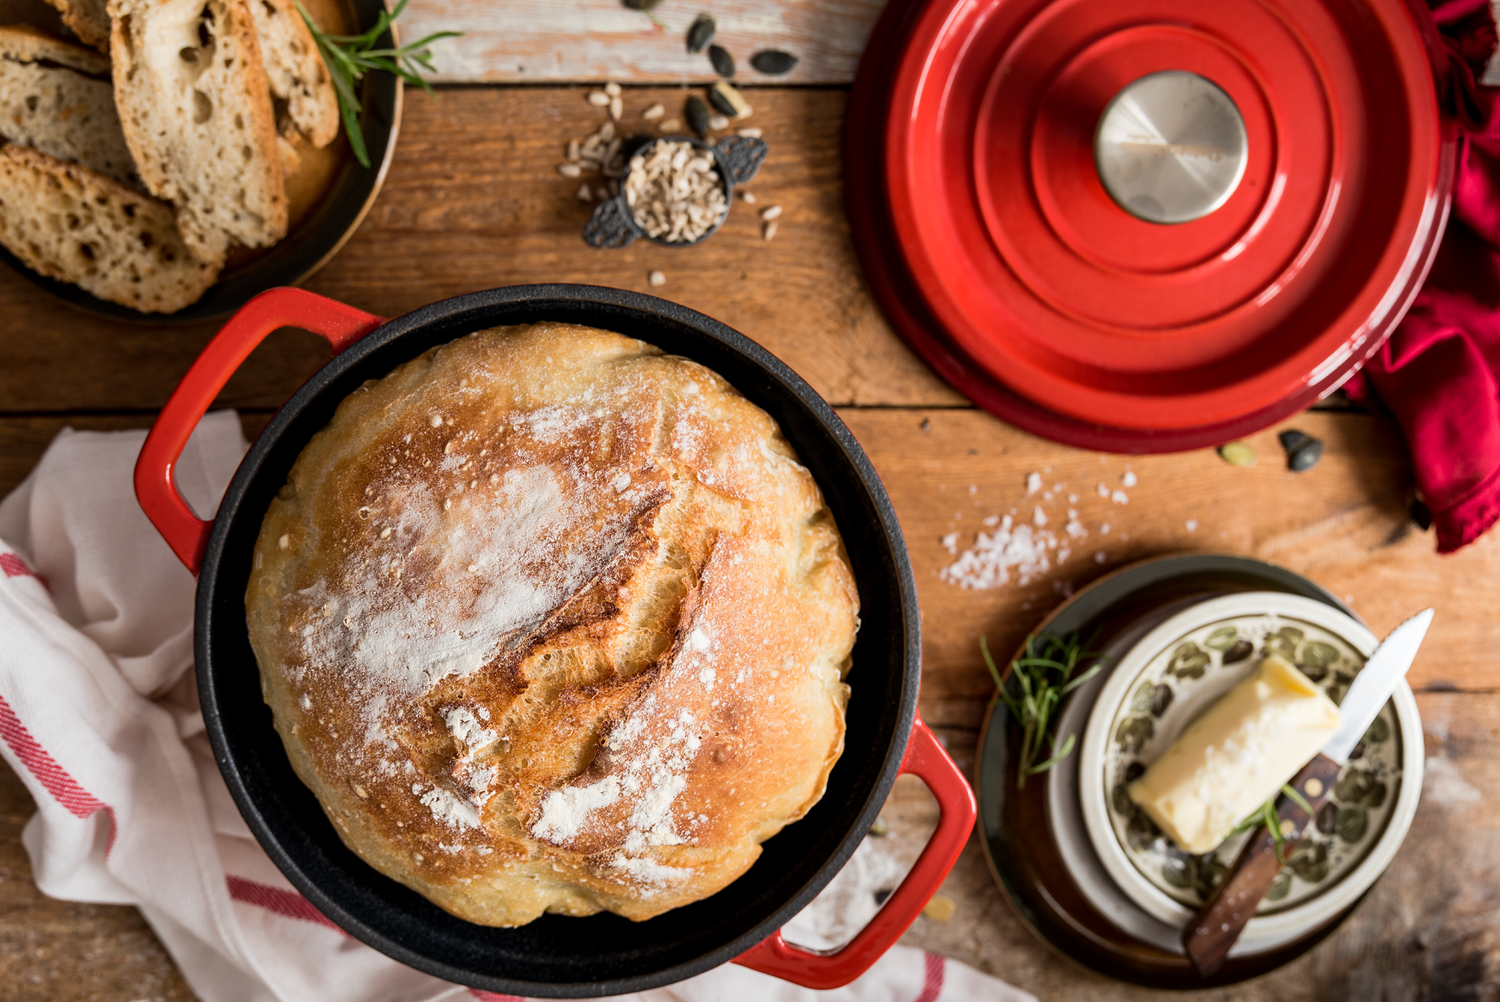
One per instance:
(552, 622)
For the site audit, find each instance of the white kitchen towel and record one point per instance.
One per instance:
(99, 716)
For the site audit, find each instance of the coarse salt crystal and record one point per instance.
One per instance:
(1128, 479)
(1033, 483)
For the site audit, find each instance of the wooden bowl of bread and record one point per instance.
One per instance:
(180, 157)
(526, 640)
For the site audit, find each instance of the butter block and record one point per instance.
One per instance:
(1236, 755)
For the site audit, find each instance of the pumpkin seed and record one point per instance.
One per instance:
(642, 4)
(1327, 817)
(1379, 731)
(701, 33)
(1279, 887)
(1141, 701)
(1134, 732)
(1315, 673)
(1291, 439)
(697, 114)
(773, 63)
(1134, 771)
(1352, 823)
(1188, 661)
(1241, 650)
(1121, 799)
(728, 100)
(1284, 642)
(1237, 454)
(722, 61)
(1221, 639)
(1305, 457)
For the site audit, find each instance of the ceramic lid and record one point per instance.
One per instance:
(1160, 216)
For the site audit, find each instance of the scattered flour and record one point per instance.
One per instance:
(1033, 483)
(1129, 479)
(565, 810)
(1191, 525)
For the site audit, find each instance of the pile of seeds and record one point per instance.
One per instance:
(599, 152)
(675, 192)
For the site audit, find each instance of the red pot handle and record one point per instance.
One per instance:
(925, 759)
(186, 533)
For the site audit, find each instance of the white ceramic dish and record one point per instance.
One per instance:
(1196, 676)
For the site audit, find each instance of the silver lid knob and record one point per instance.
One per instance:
(1170, 147)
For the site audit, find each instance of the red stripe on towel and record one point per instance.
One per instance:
(13, 566)
(932, 985)
(53, 777)
(287, 903)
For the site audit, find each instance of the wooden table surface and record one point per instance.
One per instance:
(473, 200)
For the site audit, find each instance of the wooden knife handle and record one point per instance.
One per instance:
(1222, 918)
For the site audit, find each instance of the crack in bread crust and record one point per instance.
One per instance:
(552, 622)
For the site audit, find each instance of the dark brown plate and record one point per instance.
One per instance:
(1016, 828)
(325, 208)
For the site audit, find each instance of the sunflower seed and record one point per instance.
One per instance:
(612, 89)
(750, 133)
(598, 99)
(768, 230)
(770, 212)
(671, 125)
(773, 63)
(569, 170)
(1237, 454)
(697, 114)
(584, 195)
(674, 192)
(656, 278)
(701, 33)
(718, 123)
(606, 132)
(722, 61)
(728, 100)
(616, 108)
(748, 196)
(653, 113)
(575, 152)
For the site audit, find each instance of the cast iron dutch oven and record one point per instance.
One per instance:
(558, 956)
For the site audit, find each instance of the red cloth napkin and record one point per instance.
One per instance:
(1440, 371)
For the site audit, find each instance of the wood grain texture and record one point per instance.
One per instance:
(527, 41)
(1342, 524)
(473, 201)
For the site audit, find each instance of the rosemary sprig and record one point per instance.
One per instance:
(1041, 677)
(1266, 815)
(350, 57)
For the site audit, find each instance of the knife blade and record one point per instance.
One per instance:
(1218, 924)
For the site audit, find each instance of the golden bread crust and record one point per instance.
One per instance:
(550, 621)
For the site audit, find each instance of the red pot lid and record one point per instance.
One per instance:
(1150, 218)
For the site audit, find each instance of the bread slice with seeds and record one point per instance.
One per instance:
(196, 110)
(57, 97)
(72, 224)
(295, 70)
(88, 19)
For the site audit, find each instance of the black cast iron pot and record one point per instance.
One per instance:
(555, 955)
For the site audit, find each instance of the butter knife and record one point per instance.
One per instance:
(1213, 931)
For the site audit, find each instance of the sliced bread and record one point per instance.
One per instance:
(72, 224)
(196, 110)
(57, 97)
(88, 19)
(295, 70)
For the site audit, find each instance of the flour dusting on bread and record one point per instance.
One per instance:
(552, 622)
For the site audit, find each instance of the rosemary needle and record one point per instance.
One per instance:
(349, 57)
(1040, 678)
